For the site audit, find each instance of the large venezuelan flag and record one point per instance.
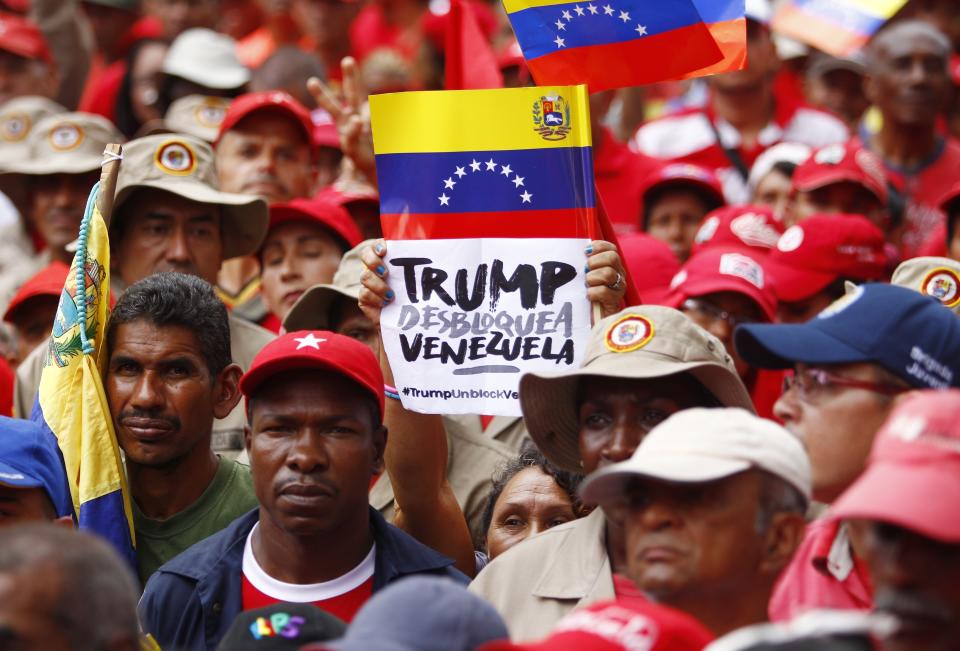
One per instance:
(838, 27)
(448, 161)
(611, 43)
(72, 405)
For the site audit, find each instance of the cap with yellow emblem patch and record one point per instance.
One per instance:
(184, 166)
(640, 342)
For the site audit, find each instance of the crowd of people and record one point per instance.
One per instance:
(775, 464)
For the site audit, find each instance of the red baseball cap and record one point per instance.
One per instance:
(652, 265)
(318, 349)
(322, 211)
(621, 625)
(751, 227)
(21, 37)
(719, 269)
(842, 162)
(949, 197)
(684, 174)
(276, 101)
(912, 479)
(822, 248)
(343, 194)
(325, 132)
(48, 281)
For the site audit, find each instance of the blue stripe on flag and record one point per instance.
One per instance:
(845, 15)
(105, 517)
(457, 182)
(718, 11)
(597, 23)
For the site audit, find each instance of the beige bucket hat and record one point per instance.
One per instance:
(18, 116)
(312, 310)
(184, 166)
(195, 115)
(647, 341)
(936, 277)
(63, 143)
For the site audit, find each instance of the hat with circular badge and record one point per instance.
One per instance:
(312, 311)
(18, 116)
(195, 115)
(184, 166)
(642, 342)
(64, 143)
(936, 277)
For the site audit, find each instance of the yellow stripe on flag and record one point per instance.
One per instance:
(879, 8)
(475, 120)
(512, 6)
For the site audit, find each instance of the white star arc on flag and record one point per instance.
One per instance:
(608, 10)
(505, 170)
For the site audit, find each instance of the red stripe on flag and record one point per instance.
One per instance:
(823, 34)
(731, 37)
(536, 224)
(670, 55)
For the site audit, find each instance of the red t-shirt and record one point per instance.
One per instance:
(341, 597)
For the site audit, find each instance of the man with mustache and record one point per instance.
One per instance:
(170, 215)
(906, 504)
(168, 375)
(315, 437)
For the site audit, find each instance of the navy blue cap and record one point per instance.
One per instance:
(911, 335)
(422, 613)
(30, 458)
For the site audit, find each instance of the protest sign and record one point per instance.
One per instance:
(487, 203)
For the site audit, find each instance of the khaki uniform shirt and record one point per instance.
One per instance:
(534, 584)
(472, 460)
(509, 430)
(246, 340)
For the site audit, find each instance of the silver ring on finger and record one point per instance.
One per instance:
(618, 283)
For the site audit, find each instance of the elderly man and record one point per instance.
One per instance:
(713, 506)
(169, 215)
(168, 375)
(906, 506)
(315, 438)
(33, 482)
(850, 361)
(62, 589)
(641, 365)
(908, 80)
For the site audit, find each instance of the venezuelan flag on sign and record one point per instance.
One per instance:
(838, 27)
(72, 405)
(447, 161)
(611, 43)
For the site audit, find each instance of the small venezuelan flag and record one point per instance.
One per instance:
(612, 43)
(72, 405)
(838, 27)
(448, 161)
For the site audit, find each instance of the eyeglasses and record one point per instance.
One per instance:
(811, 382)
(714, 313)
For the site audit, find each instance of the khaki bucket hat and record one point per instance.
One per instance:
(184, 166)
(312, 310)
(195, 115)
(63, 143)
(647, 341)
(18, 116)
(936, 277)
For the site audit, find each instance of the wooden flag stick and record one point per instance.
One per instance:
(109, 170)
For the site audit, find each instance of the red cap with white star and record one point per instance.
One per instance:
(316, 349)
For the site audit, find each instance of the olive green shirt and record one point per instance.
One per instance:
(228, 496)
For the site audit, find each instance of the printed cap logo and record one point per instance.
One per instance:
(830, 155)
(678, 279)
(791, 239)
(742, 266)
(210, 115)
(15, 127)
(944, 285)
(685, 170)
(871, 165)
(629, 333)
(707, 230)
(65, 137)
(176, 158)
(753, 230)
(841, 303)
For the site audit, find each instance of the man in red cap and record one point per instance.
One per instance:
(265, 148)
(315, 404)
(31, 312)
(26, 65)
(814, 259)
(675, 200)
(908, 80)
(840, 179)
(907, 503)
(303, 247)
(752, 228)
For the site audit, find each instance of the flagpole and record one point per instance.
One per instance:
(109, 169)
